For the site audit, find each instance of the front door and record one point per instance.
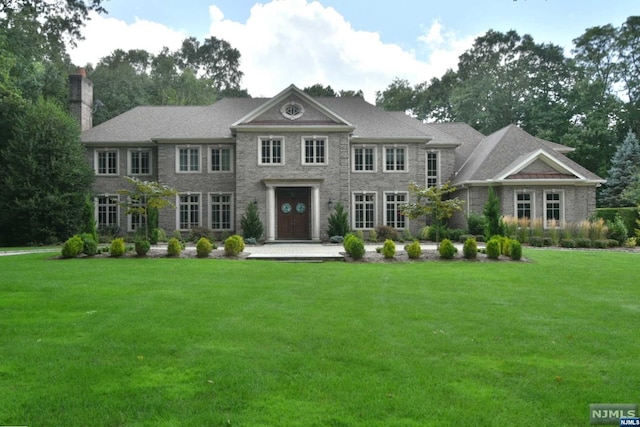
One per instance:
(292, 204)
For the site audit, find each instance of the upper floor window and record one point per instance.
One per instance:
(188, 159)
(364, 159)
(139, 162)
(271, 151)
(432, 169)
(395, 159)
(314, 151)
(221, 159)
(106, 162)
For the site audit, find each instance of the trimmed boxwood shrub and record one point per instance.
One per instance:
(90, 244)
(72, 247)
(494, 248)
(568, 243)
(203, 247)
(142, 247)
(539, 242)
(470, 248)
(348, 241)
(388, 249)
(118, 247)
(454, 234)
(373, 236)
(174, 247)
(583, 242)
(413, 249)
(515, 250)
(233, 245)
(446, 249)
(356, 248)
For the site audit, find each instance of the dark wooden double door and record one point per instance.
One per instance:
(293, 213)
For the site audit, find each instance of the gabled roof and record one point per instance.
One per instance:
(504, 154)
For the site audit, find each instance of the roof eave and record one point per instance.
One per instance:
(390, 139)
(292, 128)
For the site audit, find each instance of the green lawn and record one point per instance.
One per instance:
(191, 342)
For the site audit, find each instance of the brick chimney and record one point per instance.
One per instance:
(81, 98)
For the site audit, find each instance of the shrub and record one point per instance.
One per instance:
(250, 222)
(247, 241)
(174, 247)
(446, 249)
(476, 223)
(423, 234)
(385, 232)
(142, 247)
(357, 249)
(176, 235)
(631, 242)
(388, 249)
(515, 250)
(413, 249)
(470, 248)
(339, 221)
(336, 239)
(583, 242)
(466, 237)
(349, 241)
(568, 243)
(454, 234)
(72, 247)
(438, 232)
(197, 233)
(360, 235)
(117, 247)
(159, 235)
(536, 241)
(494, 248)
(406, 235)
(373, 236)
(617, 230)
(90, 244)
(233, 245)
(203, 247)
(600, 243)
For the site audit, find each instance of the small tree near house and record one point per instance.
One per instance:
(252, 227)
(147, 197)
(432, 202)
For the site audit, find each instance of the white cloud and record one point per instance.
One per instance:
(103, 35)
(443, 47)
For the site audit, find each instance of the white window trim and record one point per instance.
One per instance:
(384, 158)
(282, 150)
(353, 158)
(139, 150)
(232, 213)
(384, 207)
(438, 166)
(188, 146)
(544, 207)
(353, 209)
(178, 204)
(532, 201)
(303, 149)
(115, 197)
(232, 158)
(106, 150)
(130, 220)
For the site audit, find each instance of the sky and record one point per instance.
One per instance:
(347, 44)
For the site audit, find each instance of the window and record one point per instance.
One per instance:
(393, 217)
(188, 159)
(137, 221)
(524, 205)
(107, 211)
(106, 162)
(364, 159)
(395, 159)
(221, 159)
(292, 110)
(314, 151)
(140, 162)
(432, 169)
(364, 210)
(553, 209)
(271, 151)
(221, 211)
(189, 211)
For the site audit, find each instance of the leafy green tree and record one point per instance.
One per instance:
(623, 174)
(45, 177)
(318, 90)
(493, 215)
(399, 96)
(432, 202)
(250, 222)
(147, 197)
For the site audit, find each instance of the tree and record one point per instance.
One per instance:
(146, 198)
(493, 215)
(45, 177)
(317, 90)
(432, 202)
(623, 174)
(252, 227)
(399, 96)
(338, 221)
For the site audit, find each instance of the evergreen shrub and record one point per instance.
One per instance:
(118, 247)
(583, 242)
(142, 247)
(446, 249)
(494, 248)
(568, 243)
(72, 247)
(174, 247)
(413, 249)
(203, 247)
(90, 244)
(356, 248)
(388, 249)
(515, 250)
(470, 248)
(233, 245)
(423, 234)
(617, 230)
(373, 236)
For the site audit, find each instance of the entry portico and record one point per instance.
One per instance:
(293, 209)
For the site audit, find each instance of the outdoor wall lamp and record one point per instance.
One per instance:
(330, 202)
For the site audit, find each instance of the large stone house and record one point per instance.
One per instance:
(296, 157)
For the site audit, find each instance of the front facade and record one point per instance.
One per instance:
(295, 157)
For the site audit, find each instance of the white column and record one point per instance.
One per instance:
(271, 216)
(315, 213)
